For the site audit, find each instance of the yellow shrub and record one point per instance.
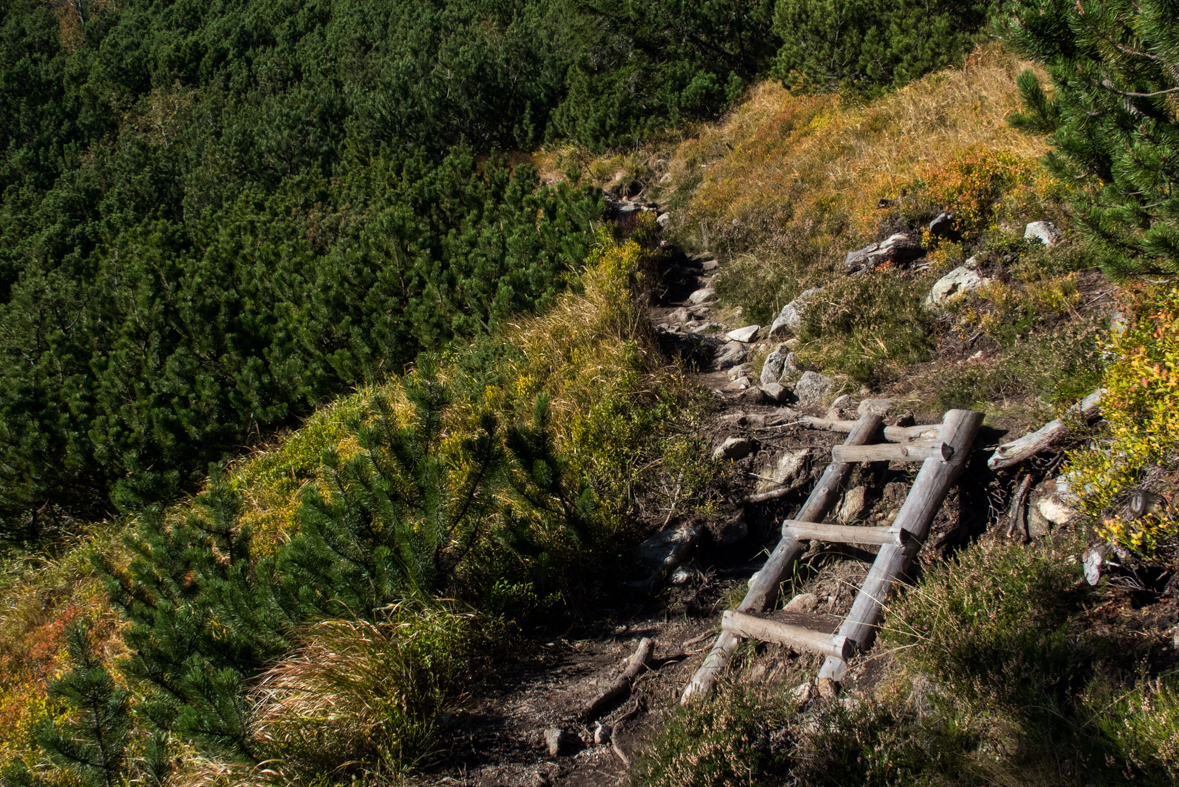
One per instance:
(1141, 409)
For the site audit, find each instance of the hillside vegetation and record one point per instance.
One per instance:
(319, 393)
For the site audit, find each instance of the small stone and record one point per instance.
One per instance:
(752, 396)
(553, 738)
(801, 693)
(803, 603)
(1043, 231)
(738, 371)
(854, 503)
(828, 689)
(681, 576)
(1038, 526)
(874, 407)
(745, 335)
(663, 219)
(775, 392)
(734, 448)
(1094, 562)
(601, 734)
(700, 296)
(812, 388)
(710, 265)
(680, 315)
(788, 470)
(741, 383)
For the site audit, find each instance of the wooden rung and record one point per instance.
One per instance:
(893, 452)
(845, 534)
(894, 434)
(795, 637)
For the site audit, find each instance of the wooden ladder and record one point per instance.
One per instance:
(942, 458)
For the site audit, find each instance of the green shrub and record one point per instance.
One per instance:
(868, 327)
(997, 625)
(868, 45)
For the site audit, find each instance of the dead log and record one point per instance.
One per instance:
(1045, 437)
(621, 686)
(1016, 514)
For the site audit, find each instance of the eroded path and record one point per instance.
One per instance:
(522, 724)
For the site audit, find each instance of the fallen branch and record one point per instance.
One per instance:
(621, 686)
(1045, 437)
(1015, 515)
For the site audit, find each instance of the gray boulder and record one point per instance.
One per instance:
(776, 392)
(790, 318)
(813, 388)
(730, 354)
(700, 296)
(899, 249)
(771, 370)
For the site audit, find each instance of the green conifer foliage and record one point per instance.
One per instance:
(91, 743)
(1113, 119)
(865, 46)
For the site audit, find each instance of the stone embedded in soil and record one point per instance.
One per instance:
(681, 576)
(741, 383)
(854, 503)
(840, 407)
(874, 407)
(771, 369)
(746, 334)
(738, 371)
(601, 734)
(788, 470)
(752, 396)
(681, 315)
(801, 693)
(656, 550)
(731, 354)
(700, 296)
(813, 388)
(776, 393)
(804, 603)
(1055, 511)
(734, 448)
(709, 265)
(553, 738)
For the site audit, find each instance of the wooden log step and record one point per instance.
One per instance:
(893, 452)
(795, 637)
(893, 434)
(845, 534)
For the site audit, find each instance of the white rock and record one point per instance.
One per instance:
(681, 576)
(956, 282)
(771, 370)
(740, 370)
(700, 296)
(1043, 231)
(553, 738)
(854, 503)
(709, 265)
(803, 603)
(788, 470)
(801, 693)
(663, 219)
(746, 334)
(601, 734)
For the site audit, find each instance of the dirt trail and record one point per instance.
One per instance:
(497, 738)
